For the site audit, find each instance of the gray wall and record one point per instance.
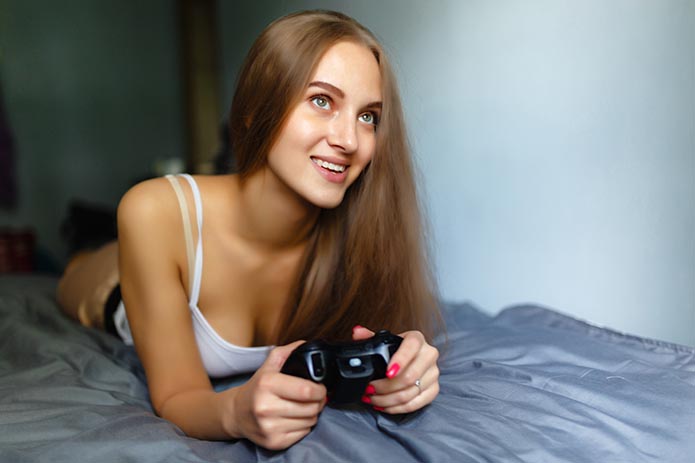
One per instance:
(93, 94)
(556, 141)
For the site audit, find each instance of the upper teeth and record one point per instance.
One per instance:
(330, 165)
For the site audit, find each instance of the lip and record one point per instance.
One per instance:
(333, 177)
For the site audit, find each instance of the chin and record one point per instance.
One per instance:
(328, 204)
(330, 201)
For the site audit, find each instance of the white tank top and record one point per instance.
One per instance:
(219, 357)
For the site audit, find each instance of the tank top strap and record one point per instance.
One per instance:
(198, 265)
(187, 233)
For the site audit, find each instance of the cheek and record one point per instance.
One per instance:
(292, 144)
(305, 130)
(299, 130)
(369, 149)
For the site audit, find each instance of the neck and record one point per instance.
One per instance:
(271, 216)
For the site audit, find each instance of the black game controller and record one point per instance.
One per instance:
(345, 368)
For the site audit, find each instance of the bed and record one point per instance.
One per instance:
(527, 385)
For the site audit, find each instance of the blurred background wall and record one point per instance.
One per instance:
(555, 139)
(92, 93)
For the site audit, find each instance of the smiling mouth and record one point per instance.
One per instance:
(337, 168)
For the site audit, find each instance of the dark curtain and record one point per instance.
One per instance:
(8, 184)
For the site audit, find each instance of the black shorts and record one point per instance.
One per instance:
(110, 308)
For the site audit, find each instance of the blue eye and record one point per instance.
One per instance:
(321, 101)
(369, 118)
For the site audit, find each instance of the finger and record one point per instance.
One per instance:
(288, 425)
(290, 409)
(276, 431)
(298, 389)
(281, 441)
(360, 333)
(408, 392)
(277, 357)
(410, 347)
(299, 424)
(425, 361)
(296, 436)
(419, 401)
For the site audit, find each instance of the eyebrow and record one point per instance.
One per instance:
(332, 88)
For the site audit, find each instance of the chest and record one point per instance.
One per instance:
(243, 293)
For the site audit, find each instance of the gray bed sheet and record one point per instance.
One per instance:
(528, 385)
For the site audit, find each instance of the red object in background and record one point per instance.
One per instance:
(17, 249)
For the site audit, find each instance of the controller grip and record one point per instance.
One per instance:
(309, 361)
(345, 368)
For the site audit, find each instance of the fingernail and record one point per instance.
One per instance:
(379, 409)
(356, 327)
(393, 371)
(366, 399)
(370, 390)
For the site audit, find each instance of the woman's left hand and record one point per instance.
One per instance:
(412, 375)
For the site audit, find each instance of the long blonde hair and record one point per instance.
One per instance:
(365, 262)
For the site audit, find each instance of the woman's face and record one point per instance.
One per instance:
(330, 135)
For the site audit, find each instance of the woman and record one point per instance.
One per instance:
(315, 234)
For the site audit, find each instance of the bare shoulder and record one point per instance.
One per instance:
(149, 203)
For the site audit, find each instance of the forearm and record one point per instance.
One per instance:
(201, 414)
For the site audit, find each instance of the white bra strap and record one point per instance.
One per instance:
(187, 234)
(197, 274)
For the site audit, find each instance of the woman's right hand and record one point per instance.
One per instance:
(272, 409)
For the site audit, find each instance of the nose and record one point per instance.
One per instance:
(342, 133)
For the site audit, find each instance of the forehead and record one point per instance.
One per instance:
(353, 69)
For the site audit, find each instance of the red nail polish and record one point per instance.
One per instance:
(393, 371)
(379, 409)
(366, 399)
(370, 390)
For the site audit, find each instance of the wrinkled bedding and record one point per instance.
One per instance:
(528, 385)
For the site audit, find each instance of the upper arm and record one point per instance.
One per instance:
(150, 250)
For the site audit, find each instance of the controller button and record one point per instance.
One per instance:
(355, 362)
(317, 364)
